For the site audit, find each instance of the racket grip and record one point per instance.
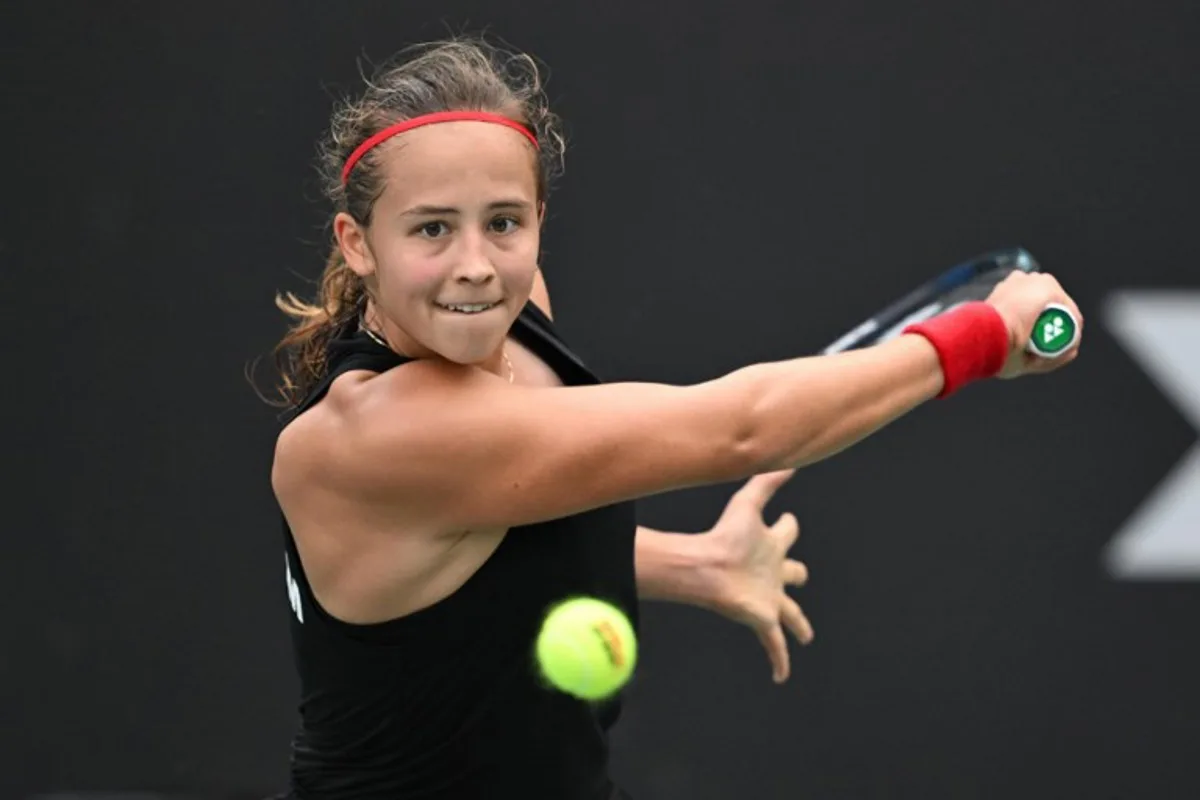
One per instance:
(1055, 332)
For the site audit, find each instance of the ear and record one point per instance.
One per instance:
(352, 240)
(541, 212)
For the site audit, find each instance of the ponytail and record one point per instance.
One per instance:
(300, 355)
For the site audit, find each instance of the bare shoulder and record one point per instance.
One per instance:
(368, 557)
(302, 443)
(309, 447)
(321, 447)
(303, 447)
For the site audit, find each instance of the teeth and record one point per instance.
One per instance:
(468, 308)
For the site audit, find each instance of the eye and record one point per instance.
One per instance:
(503, 225)
(432, 230)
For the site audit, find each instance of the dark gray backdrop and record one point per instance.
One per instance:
(744, 181)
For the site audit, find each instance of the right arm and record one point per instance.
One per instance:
(458, 448)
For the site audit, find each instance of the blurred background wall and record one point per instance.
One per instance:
(744, 182)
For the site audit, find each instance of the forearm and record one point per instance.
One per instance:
(676, 567)
(809, 409)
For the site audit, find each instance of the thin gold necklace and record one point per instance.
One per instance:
(508, 364)
(379, 341)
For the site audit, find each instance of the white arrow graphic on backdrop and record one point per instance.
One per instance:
(1161, 330)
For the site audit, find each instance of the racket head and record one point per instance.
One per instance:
(970, 280)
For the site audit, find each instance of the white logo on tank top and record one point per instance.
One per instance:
(293, 590)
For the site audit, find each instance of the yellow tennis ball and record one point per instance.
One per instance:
(587, 648)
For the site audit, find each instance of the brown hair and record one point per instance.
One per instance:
(460, 74)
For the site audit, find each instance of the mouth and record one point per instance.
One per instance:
(467, 308)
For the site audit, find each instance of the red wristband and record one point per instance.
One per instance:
(972, 343)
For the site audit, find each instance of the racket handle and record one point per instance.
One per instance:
(1055, 332)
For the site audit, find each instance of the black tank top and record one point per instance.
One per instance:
(446, 702)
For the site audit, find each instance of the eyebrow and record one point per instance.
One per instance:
(422, 211)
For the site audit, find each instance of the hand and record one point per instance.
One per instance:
(751, 569)
(1020, 298)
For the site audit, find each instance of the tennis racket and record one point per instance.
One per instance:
(1055, 331)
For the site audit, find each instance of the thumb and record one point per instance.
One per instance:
(762, 487)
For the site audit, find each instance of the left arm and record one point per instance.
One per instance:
(678, 567)
(739, 569)
(709, 569)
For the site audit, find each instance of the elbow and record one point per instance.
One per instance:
(750, 454)
(738, 432)
(759, 443)
(758, 448)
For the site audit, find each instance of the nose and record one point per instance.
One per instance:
(474, 265)
(477, 272)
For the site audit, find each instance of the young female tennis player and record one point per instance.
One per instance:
(450, 468)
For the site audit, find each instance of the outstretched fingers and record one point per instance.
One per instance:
(775, 644)
(795, 573)
(796, 621)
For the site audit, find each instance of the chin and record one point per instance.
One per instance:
(471, 340)
(473, 352)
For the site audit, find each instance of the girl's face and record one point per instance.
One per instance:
(451, 252)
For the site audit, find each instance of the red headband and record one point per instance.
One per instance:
(430, 119)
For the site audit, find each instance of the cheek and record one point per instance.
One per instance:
(412, 273)
(424, 275)
(519, 263)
